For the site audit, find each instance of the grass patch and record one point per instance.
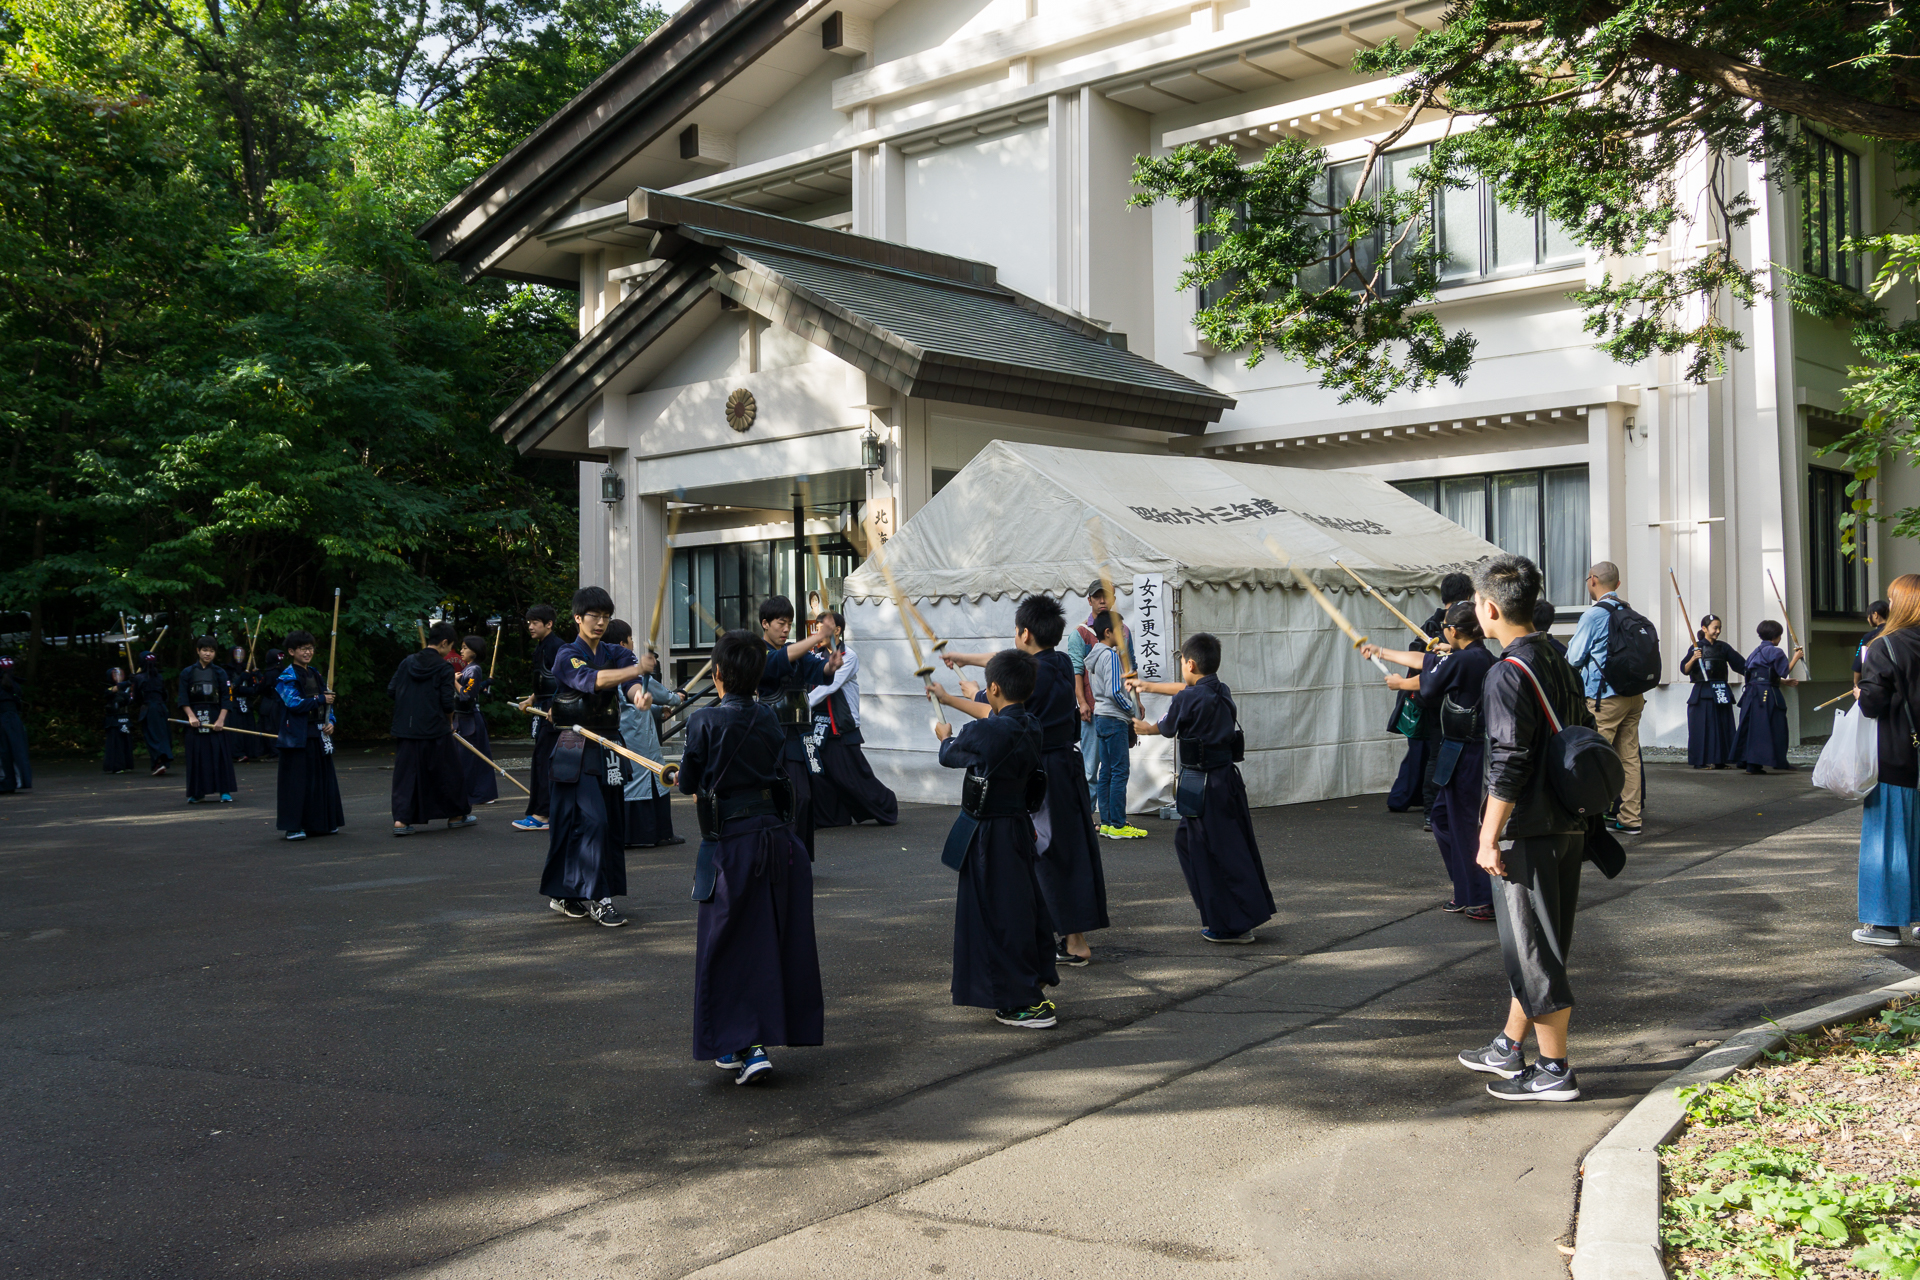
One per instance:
(1806, 1163)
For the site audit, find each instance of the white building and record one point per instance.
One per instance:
(995, 285)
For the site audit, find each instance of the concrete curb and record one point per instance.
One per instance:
(1618, 1232)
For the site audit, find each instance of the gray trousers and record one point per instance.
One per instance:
(1533, 905)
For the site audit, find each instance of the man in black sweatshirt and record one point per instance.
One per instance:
(427, 778)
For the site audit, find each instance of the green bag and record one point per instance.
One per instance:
(1411, 716)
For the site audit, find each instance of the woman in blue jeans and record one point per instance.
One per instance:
(1890, 821)
(1112, 723)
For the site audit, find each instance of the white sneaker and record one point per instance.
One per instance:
(1879, 935)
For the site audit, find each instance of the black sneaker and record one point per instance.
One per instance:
(1453, 907)
(604, 912)
(571, 908)
(1490, 1058)
(1537, 1084)
(1623, 829)
(1063, 956)
(1036, 1017)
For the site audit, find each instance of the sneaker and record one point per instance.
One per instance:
(731, 1062)
(403, 831)
(1481, 915)
(1623, 828)
(225, 798)
(454, 824)
(1131, 832)
(193, 799)
(1490, 1058)
(571, 908)
(1537, 1084)
(529, 823)
(1063, 956)
(1110, 833)
(1234, 939)
(754, 1063)
(1878, 935)
(159, 771)
(295, 835)
(1452, 907)
(1036, 1017)
(604, 912)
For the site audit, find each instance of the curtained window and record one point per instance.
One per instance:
(1542, 515)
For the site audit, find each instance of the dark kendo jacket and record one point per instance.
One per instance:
(1002, 749)
(733, 750)
(783, 687)
(575, 670)
(300, 691)
(1202, 716)
(1053, 703)
(544, 684)
(208, 690)
(150, 688)
(119, 704)
(1717, 658)
(13, 695)
(1517, 733)
(422, 691)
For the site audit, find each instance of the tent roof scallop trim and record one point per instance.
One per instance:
(1021, 519)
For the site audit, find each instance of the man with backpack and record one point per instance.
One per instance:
(1617, 653)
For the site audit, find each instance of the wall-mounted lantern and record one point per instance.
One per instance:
(873, 454)
(612, 487)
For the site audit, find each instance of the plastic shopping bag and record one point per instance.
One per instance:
(1849, 764)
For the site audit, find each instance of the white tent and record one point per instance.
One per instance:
(1029, 519)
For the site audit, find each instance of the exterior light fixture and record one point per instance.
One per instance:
(873, 454)
(612, 487)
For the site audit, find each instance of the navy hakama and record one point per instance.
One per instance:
(540, 791)
(1072, 881)
(428, 781)
(482, 785)
(1456, 827)
(209, 763)
(649, 821)
(154, 728)
(1710, 729)
(309, 790)
(845, 791)
(271, 715)
(119, 747)
(1405, 793)
(1761, 740)
(756, 970)
(587, 831)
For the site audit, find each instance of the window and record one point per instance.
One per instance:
(1542, 515)
(731, 579)
(1830, 212)
(1839, 585)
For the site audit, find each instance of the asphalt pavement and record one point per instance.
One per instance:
(222, 1054)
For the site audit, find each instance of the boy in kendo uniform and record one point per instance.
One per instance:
(308, 801)
(206, 696)
(1073, 882)
(1003, 941)
(1218, 854)
(119, 722)
(756, 975)
(791, 670)
(244, 746)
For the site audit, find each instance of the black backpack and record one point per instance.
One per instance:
(1633, 651)
(1584, 772)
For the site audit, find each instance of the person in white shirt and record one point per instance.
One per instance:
(845, 791)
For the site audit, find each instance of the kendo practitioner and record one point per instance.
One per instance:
(206, 695)
(546, 647)
(18, 764)
(1003, 938)
(1761, 740)
(845, 792)
(1073, 883)
(586, 862)
(267, 706)
(470, 685)
(429, 782)
(246, 694)
(119, 722)
(791, 670)
(1449, 684)
(308, 801)
(1415, 784)
(151, 698)
(1710, 730)
(756, 971)
(649, 800)
(1214, 841)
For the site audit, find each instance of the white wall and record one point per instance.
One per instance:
(986, 200)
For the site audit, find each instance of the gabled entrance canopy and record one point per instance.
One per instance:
(925, 324)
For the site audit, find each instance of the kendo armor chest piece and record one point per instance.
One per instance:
(1005, 796)
(598, 711)
(1198, 755)
(203, 687)
(1461, 724)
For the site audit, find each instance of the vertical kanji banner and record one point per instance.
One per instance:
(1152, 640)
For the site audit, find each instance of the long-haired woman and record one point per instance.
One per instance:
(1890, 822)
(1710, 703)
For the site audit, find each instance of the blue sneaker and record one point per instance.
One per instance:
(193, 799)
(225, 798)
(754, 1063)
(529, 823)
(731, 1062)
(296, 835)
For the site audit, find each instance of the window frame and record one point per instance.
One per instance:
(1836, 586)
(1845, 269)
(1487, 481)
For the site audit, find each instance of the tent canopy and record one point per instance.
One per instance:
(1026, 519)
